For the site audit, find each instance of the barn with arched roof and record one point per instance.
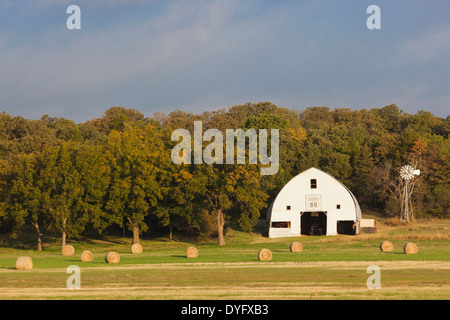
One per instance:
(313, 203)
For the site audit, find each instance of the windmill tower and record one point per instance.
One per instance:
(407, 173)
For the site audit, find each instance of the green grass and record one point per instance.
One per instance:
(160, 252)
(328, 268)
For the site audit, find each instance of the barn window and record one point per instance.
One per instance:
(288, 207)
(281, 224)
(313, 183)
(338, 206)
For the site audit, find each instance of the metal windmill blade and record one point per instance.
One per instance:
(407, 172)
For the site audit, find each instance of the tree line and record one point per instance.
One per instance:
(75, 179)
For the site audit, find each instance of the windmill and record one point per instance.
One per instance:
(407, 173)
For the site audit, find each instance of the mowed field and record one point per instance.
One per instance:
(332, 267)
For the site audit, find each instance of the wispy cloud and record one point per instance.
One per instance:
(426, 45)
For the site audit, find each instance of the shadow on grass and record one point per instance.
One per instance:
(109, 239)
(393, 252)
(25, 244)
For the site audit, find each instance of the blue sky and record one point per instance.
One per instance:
(197, 55)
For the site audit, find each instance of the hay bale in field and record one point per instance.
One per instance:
(87, 256)
(265, 255)
(296, 247)
(410, 248)
(191, 252)
(112, 257)
(136, 248)
(386, 246)
(68, 250)
(24, 263)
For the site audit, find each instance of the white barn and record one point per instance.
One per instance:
(313, 203)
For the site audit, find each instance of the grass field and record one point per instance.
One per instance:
(331, 267)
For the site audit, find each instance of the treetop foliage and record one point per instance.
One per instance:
(73, 178)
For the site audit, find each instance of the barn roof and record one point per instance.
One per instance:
(355, 201)
(358, 208)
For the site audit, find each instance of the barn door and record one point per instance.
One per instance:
(313, 223)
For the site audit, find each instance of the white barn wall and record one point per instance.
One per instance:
(294, 194)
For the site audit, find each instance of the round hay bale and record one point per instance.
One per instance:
(68, 250)
(112, 257)
(87, 256)
(136, 248)
(410, 248)
(386, 246)
(296, 247)
(191, 252)
(265, 255)
(24, 263)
